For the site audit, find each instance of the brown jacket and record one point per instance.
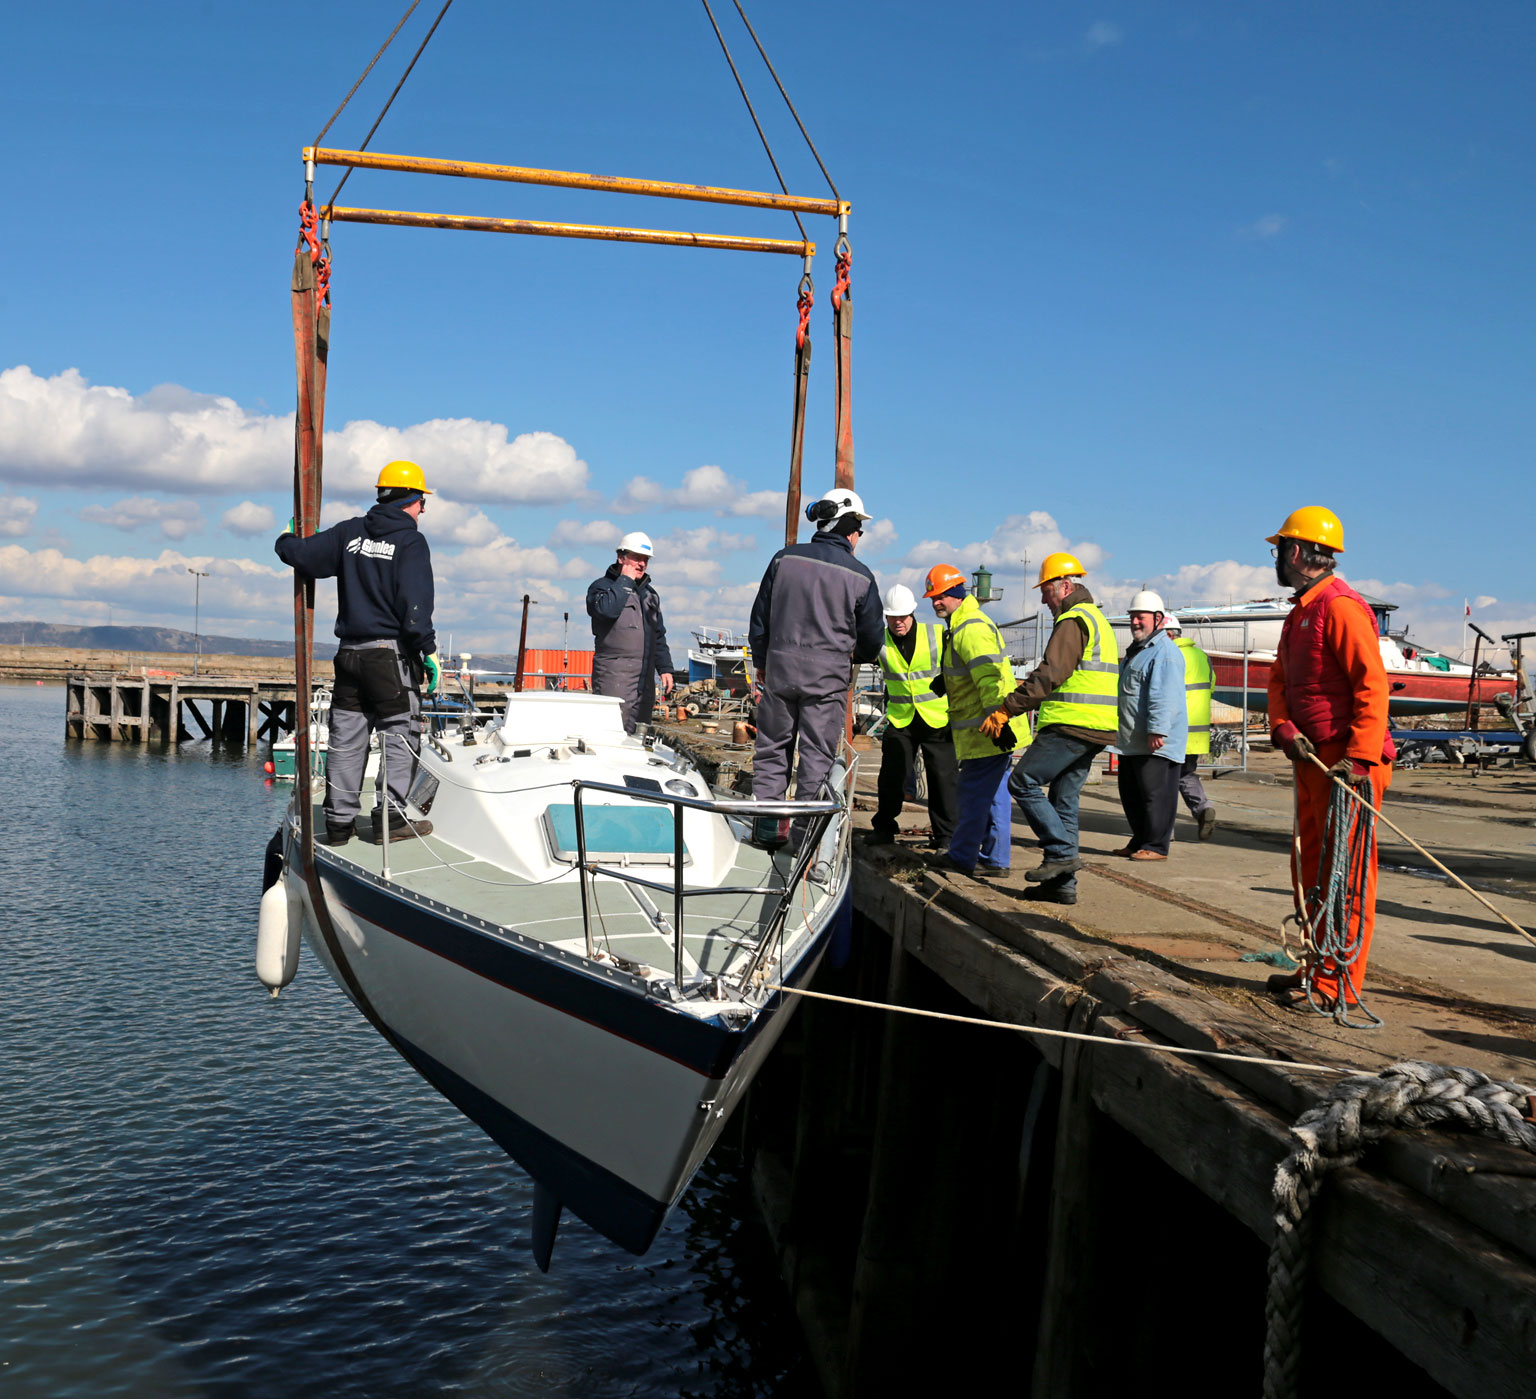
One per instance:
(1063, 653)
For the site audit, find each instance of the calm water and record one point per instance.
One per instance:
(205, 1191)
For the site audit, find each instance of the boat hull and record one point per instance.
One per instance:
(608, 1097)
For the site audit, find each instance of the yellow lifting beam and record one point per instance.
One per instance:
(573, 179)
(407, 219)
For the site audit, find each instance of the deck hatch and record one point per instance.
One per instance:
(638, 835)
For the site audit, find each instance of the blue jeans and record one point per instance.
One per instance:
(982, 824)
(1061, 763)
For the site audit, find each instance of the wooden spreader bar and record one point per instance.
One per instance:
(574, 179)
(408, 219)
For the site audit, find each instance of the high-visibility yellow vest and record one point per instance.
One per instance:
(1197, 695)
(909, 684)
(1089, 697)
(977, 678)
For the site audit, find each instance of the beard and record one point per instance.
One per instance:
(1282, 573)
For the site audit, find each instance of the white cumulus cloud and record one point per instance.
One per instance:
(248, 518)
(16, 515)
(176, 518)
(585, 532)
(703, 488)
(1102, 35)
(66, 431)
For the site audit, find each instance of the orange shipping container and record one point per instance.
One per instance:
(552, 667)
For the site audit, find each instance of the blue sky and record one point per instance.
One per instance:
(1130, 278)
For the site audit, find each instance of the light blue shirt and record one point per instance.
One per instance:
(1152, 699)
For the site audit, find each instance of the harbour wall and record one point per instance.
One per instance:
(961, 1205)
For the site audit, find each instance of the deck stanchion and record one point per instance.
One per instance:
(381, 804)
(677, 891)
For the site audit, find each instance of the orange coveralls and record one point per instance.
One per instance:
(1349, 633)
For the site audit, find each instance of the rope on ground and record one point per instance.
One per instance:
(1075, 1035)
(1335, 1132)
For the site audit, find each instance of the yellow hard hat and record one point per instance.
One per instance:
(1059, 565)
(403, 474)
(1314, 524)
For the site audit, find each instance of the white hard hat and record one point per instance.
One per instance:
(1147, 601)
(833, 506)
(899, 601)
(636, 542)
(1171, 622)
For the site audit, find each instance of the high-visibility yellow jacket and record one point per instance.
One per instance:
(909, 684)
(977, 678)
(1089, 697)
(1198, 678)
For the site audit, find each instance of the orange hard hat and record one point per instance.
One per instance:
(1314, 524)
(1059, 565)
(941, 578)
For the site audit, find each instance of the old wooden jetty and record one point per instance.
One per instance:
(968, 1207)
(115, 707)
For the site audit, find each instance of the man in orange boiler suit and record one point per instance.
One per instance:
(1328, 694)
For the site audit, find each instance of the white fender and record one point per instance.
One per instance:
(277, 936)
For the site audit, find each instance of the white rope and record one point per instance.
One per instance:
(1075, 1035)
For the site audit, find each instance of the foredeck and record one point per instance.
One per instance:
(717, 928)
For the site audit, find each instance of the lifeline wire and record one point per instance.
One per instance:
(1075, 1035)
(331, 202)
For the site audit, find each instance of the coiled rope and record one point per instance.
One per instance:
(1336, 1132)
(1331, 932)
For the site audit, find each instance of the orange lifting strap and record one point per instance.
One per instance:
(803, 303)
(311, 348)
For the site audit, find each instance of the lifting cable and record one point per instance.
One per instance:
(366, 71)
(752, 112)
(331, 202)
(768, 63)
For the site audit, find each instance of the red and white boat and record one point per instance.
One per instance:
(1241, 638)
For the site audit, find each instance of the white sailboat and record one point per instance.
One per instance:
(584, 954)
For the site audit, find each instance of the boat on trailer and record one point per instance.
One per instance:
(586, 955)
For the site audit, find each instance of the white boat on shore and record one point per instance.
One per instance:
(584, 953)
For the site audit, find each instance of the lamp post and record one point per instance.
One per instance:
(197, 605)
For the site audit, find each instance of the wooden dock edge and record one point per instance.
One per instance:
(1431, 1243)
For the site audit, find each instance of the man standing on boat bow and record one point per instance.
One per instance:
(816, 617)
(629, 637)
(384, 594)
(1328, 694)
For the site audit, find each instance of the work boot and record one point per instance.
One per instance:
(336, 835)
(1207, 820)
(1053, 869)
(879, 838)
(1048, 895)
(400, 828)
(986, 871)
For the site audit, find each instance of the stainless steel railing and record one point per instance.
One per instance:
(819, 815)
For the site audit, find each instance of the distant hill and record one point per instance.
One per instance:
(162, 639)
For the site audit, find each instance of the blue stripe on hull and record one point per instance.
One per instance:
(610, 1204)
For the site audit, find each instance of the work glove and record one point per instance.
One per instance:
(434, 673)
(1295, 744)
(937, 686)
(1352, 772)
(994, 724)
(1006, 740)
(293, 527)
